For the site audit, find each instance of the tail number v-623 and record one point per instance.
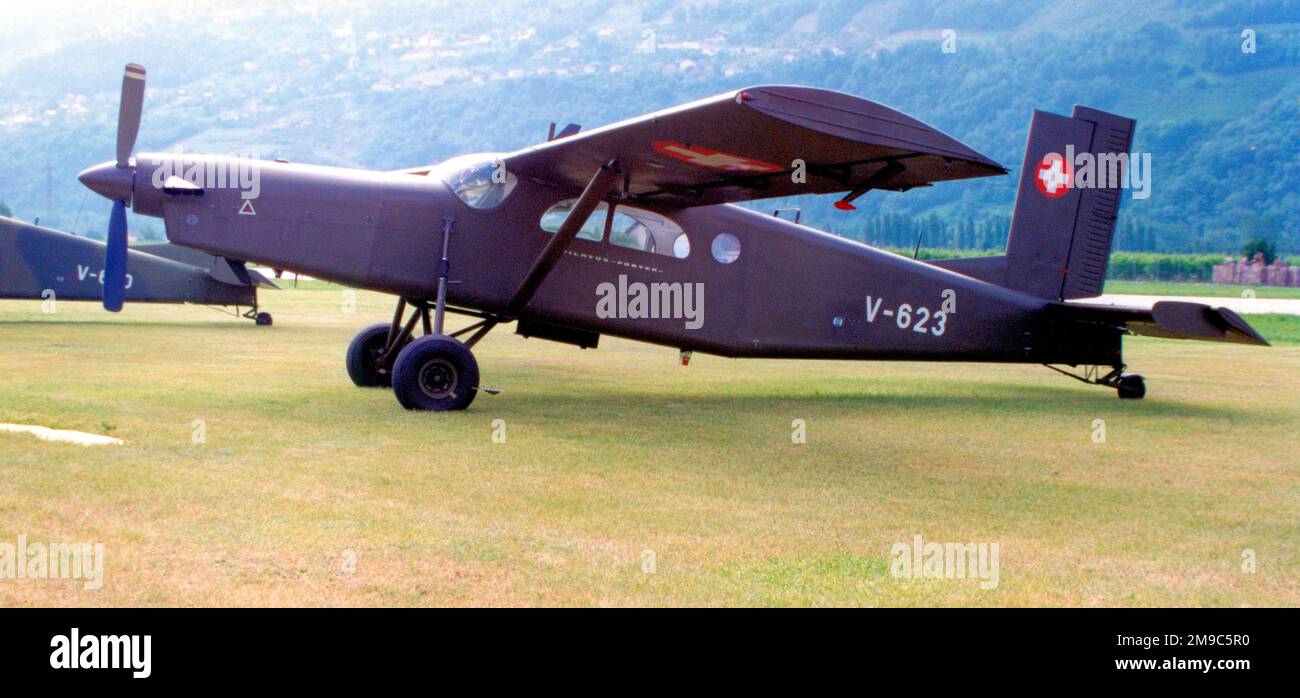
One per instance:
(917, 319)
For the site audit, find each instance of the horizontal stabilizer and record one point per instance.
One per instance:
(1170, 319)
(1182, 320)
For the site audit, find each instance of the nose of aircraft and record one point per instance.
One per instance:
(109, 181)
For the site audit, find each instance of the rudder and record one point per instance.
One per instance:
(1061, 232)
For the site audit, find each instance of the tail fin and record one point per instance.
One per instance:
(1064, 219)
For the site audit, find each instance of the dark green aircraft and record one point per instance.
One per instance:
(43, 264)
(621, 229)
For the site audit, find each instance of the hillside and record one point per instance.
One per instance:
(397, 83)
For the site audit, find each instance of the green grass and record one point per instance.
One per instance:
(615, 452)
(1172, 288)
(1277, 329)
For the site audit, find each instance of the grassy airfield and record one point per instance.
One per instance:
(309, 491)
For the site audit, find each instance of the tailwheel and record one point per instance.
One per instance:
(435, 373)
(368, 363)
(1131, 387)
(259, 318)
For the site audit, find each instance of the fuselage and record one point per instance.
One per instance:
(790, 291)
(40, 263)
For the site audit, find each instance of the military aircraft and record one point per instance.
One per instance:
(40, 263)
(627, 229)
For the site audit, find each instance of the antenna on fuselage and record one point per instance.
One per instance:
(568, 130)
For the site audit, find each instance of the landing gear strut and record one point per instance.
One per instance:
(434, 372)
(1129, 386)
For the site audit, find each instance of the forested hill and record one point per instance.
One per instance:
(392, 83)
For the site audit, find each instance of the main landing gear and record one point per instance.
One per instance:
(433, 372)
(438, 371)
(1129, 386)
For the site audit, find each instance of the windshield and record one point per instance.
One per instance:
(480, 180)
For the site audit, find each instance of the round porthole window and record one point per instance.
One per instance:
(726, 248)
(681, 247)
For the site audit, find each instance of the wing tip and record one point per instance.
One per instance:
(1237, 325)
(831, 111)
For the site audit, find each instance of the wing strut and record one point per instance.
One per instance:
(886, 173)
(600, 186)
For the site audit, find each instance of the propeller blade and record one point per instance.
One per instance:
(115, 260)
(128, 116)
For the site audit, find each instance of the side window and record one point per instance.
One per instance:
(631, 227)
(593, 229)
(630, 232)
(648, 231)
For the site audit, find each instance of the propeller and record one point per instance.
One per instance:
(128, 126)
(128, 115)
(115, 259)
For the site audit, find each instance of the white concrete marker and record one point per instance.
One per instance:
(80, 438)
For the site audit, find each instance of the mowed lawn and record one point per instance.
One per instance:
(626, 479)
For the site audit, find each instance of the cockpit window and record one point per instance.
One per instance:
(481, 181)
(631, 227)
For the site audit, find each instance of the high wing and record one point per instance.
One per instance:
(743, 145)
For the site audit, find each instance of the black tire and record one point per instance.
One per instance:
(1131, 387)
(435, 373)
(363, 358)
(262, 319)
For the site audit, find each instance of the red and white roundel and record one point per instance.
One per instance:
(1054, 176)
(715, 159)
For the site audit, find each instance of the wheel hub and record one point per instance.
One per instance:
(438, 379)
